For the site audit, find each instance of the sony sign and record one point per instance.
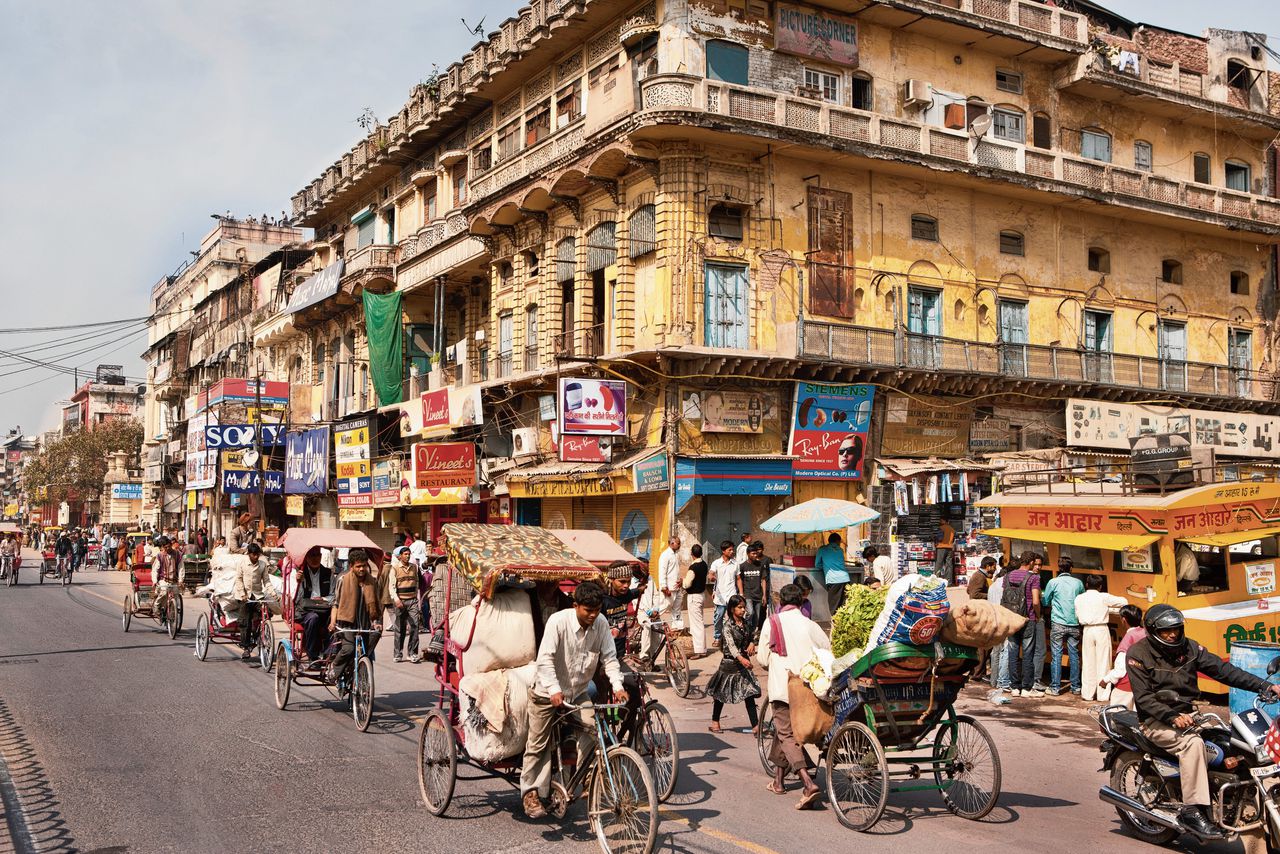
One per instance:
(225, 436)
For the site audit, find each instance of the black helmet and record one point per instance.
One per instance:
(1161, 618)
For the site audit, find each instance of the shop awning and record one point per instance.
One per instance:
(903, 467)
(731, 476)
(1232, 539)
(1107, 542)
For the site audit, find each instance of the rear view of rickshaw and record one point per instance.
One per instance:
(143, 600)
(622, 806)
(354, 686)
(896, 730)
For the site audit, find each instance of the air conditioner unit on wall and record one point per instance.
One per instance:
(524, 441)
(916, 93)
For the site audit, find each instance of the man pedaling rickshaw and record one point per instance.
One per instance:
(166, 571)
(356, 606)
(249, 590)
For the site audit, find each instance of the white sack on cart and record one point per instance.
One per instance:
(503, 636)
(223, 571)
(481, 741)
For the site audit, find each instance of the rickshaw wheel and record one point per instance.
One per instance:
(284, 676)
(621, 806)
(127, 616)
(362, 695)
(173, 617)
(40, 574)
(677, 666)
(764, 736)
(202, 637)
(266, 644)
(857, 776)
(437, 762)
(972, 772)
(656, 740)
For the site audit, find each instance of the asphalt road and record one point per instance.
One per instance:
(115, 742)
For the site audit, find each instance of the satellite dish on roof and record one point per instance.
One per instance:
(980, 125)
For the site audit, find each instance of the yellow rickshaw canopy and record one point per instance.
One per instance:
(1108, 542)
(1231, 539)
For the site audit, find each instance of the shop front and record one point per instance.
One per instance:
(720, 498)
(1211, 550)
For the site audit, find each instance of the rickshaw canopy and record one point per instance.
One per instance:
(10, 528)
(596, 547)
(296, 542)
(485, 553)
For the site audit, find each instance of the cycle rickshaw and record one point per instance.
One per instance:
(355, 686)
(219, 627)
(9, 566)
(622, 807)
(142, 601)
(896, 730)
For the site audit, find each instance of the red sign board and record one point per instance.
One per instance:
(582, 449)
(441, 465)
(435, 408)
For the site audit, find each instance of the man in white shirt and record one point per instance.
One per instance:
(574, 642)
(743, 544)
(724, 576)
(880, 567)
(669, 575)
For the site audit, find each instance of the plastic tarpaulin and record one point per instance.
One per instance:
(382, 324)
(485, 553)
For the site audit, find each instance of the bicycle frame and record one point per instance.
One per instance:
(605, 738)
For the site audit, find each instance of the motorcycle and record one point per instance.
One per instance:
(1145, 789)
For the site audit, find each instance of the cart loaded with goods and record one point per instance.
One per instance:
(880, 706)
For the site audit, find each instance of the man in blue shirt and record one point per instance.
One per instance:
(830, 562)
(1060, 597)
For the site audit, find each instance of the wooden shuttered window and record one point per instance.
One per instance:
(830, 278)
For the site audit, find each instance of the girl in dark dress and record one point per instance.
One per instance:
(734, 682)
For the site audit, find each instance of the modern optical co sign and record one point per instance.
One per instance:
(817, 33)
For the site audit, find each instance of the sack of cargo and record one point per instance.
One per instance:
(503, 637)
(981, 624)
(811, 718)
(917, 616)
(495, 723)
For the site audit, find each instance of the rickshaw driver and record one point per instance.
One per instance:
(356, 606)
(574, 642)
(9, 549)
(166, 570)
(314, 583)
(248, 589)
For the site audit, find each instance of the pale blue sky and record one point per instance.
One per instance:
(125, 123)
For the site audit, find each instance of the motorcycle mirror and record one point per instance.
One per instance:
(1274, 667)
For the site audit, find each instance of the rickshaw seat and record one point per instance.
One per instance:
(142, 577)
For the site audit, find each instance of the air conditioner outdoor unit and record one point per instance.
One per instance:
(916, 93)
(524, 441)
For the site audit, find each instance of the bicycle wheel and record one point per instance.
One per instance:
(676, 664)
(284, 675)
(437, 762)
(172, 617)
(857, 776)
(180, 610)
(362, 694)
(66, 578)
(202, 637)
(764, 736)
(127, 616)
(656, 740)
(621, 806)
(266, 643)
(970, 780)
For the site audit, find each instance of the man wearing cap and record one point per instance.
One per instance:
(241, 535)
(408, 580)
(248, 591)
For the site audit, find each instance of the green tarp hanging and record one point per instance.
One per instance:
(386, 345)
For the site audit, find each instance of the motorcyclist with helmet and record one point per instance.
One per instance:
(1168, 661)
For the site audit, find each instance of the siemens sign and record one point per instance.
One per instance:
(220, 436)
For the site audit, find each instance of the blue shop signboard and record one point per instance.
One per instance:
(306, 466)
(719, 476)
(270, 482)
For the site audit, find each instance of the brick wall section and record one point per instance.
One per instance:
(1190, 52)
(1273, 92)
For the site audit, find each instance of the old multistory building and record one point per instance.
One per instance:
(968, 212)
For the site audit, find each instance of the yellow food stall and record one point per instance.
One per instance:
(1211, 550)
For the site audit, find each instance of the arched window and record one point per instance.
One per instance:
(531, 264)
(642, 231)
(861, 91)
(924, 227)
(1012, 243)
(566, 260)
(1009, 124)
(504, 273)
(1239, 282)
(1171, 271)
(1238, 175)
(1099, 260)
(601, 247)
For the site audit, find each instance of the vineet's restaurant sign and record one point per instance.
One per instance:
(817, 33)
(442, 465)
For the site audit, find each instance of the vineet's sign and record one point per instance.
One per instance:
(442, 465)
(817, 33)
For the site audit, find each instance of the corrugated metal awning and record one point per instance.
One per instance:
(912, 467)
(573, 471)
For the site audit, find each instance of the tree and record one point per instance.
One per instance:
(74, 465)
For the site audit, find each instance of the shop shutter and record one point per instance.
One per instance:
(557, 513)
(595, 513)
(639, 517)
